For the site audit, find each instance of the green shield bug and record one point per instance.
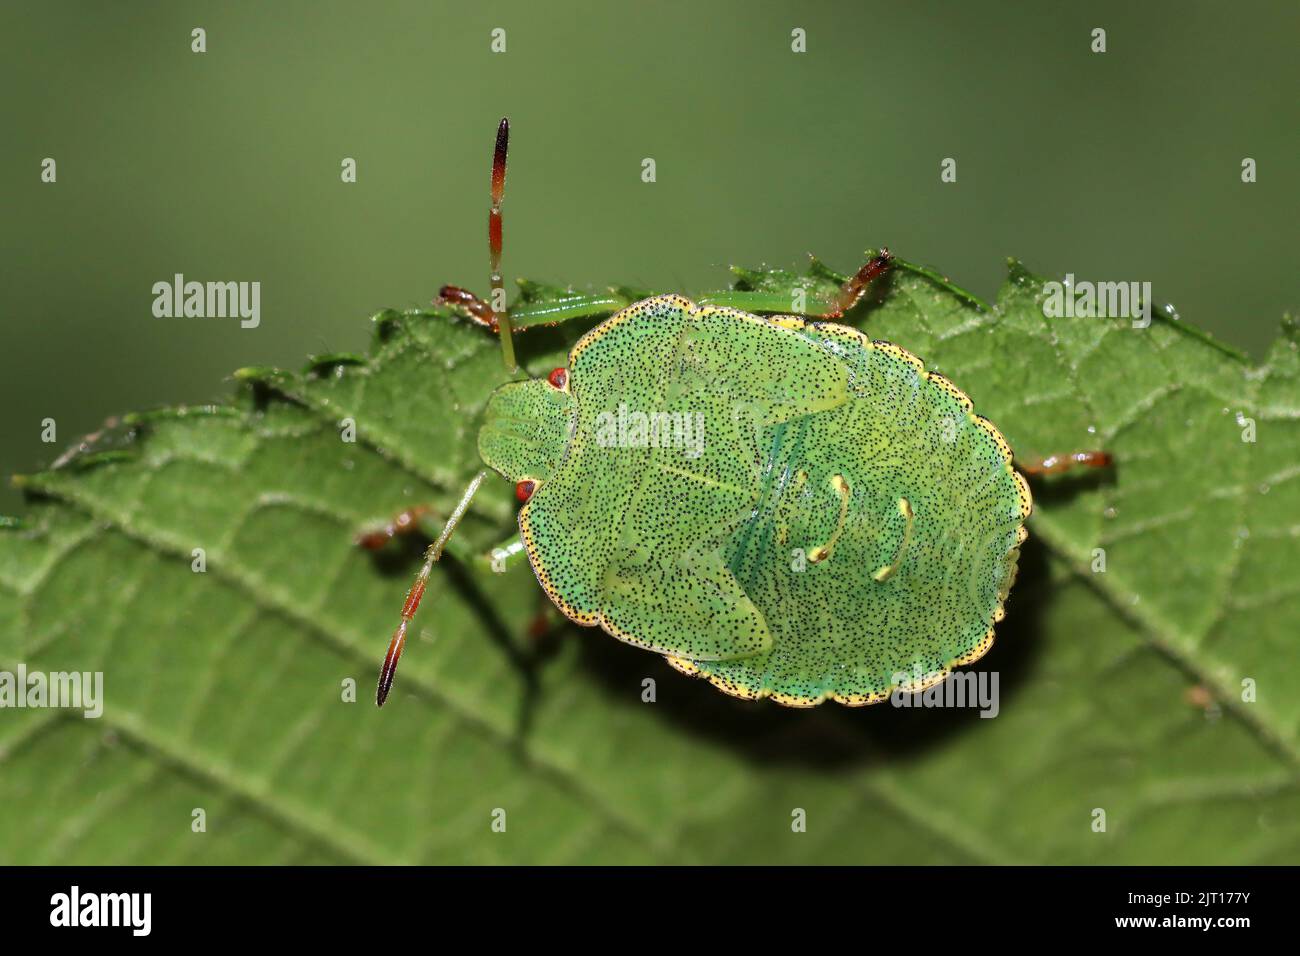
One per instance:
(780, 505)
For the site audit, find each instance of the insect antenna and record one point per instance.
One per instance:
(492, 313)
(500, 315)
(395, 646)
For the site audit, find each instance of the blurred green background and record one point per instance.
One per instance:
(225, 165)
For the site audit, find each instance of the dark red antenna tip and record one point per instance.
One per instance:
(389, 670)
(499, 162)
(500, 315)
(498, 194)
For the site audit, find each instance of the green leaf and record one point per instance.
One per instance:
(223, 688)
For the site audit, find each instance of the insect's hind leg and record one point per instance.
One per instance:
(529, 314)
(469, 304)
(1056, 464)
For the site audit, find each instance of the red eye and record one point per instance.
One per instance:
(524, 489)
(558, 377)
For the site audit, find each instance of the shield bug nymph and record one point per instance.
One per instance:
(847, 525)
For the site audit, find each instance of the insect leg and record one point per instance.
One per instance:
(783, 301)
(507, 555)
(1055, 464)
(468, 303)
(510, 554)
(417, 519)
(855, 288)
(404, 522)
(413, 596)
(527, 315)
(753, 301)
(562, 310)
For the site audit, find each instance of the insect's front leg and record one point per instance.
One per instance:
(469, 304)
(407, 521)
(855, 288)
(507, 555)
(511, 554)
(527, 315)
(422, 520)
(813, 306)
